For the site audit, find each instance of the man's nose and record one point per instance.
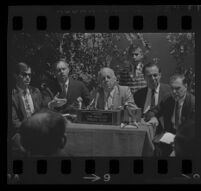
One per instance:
(174, 91)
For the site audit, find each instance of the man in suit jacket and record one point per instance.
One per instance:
(26, 99)
(150, 96)
(143, 97)
(72, 90)
(110, 95)
(178, 112)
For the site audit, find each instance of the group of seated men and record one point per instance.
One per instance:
(171, 104)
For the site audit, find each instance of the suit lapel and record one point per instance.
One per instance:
(69, 92)
(185, 107)
(143, 98)
(100, 99)
(115, 100)
(34, 99)
(21, 104)
(160, 93)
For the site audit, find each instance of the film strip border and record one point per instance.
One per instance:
(90, 23)
(101, 19)
(103, 170)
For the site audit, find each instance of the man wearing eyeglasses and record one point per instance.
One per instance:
(26, 99)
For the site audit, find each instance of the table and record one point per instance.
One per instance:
(108, 140)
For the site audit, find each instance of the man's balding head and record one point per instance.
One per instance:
(107, 78)
(43, 133)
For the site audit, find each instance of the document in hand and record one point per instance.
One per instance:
(167, 138)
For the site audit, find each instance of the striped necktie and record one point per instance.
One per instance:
(27, 103)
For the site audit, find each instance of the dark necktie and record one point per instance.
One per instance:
(152, 99)
(64, 90)
(177, 113)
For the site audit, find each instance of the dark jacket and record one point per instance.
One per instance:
(18, 110)
(121, 96)
(75, 89)
(140, 95)
(185, 134)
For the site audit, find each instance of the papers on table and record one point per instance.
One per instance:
(132, 126)
(167, 138)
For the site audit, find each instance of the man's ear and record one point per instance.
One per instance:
(186, 85)
(63, 141)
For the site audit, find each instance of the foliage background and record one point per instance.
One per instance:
(88, 52)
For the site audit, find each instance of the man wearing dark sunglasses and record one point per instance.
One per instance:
(26, 99)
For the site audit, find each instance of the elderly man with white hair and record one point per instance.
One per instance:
(110, 95)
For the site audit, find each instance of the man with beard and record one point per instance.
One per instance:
(70, 92)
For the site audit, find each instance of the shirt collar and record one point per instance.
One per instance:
(181, 101)
(22, 90)
(66, 83)
(156, 90)
(107, 94)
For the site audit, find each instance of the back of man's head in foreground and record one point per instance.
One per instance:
(43, 133)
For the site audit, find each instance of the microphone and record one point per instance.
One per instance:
(79, 99)
(44, 87)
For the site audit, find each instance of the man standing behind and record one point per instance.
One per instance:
(133, 76)
(26, 99)
(111, 95)
(72, 91)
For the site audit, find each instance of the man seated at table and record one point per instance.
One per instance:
(178, 111)
(110, 95)
(26, 99)
(70, 90)
(150, 96)
(43, 134)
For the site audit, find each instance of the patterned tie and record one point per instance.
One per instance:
(177, 114)
(27, 104)
(152, 99)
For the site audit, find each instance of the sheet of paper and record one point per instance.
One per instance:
(167, 138)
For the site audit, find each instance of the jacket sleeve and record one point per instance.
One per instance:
(16, 122)
(85, 95)
(129, 96)
(158, 111)
(185, 136)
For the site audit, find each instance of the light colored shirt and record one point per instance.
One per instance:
(64, 86)
(147, 104)
(27, 101)
(181, 102)
(108, 98)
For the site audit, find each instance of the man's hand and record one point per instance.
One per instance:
(153, 121)
(148, 115)
(56, 102)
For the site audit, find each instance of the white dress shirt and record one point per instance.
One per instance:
(108, 98)
(64, 86)
(147, 104)
(27, 101)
